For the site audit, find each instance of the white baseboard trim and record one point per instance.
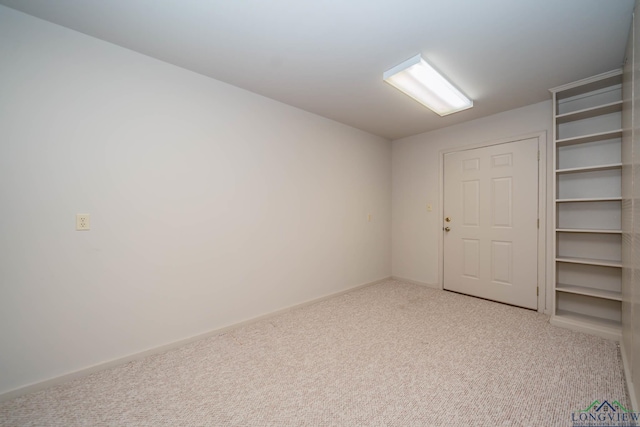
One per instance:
(628, 378)
(416, 282)
(41, 385)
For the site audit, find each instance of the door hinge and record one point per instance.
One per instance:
(538, 222)
(538, 155)
(538, 291)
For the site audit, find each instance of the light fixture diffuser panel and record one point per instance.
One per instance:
(419, 80)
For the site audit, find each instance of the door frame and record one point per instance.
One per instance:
(544, 306)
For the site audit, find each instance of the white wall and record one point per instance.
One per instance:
(635, 293)
(631, 214)
(416, 183)
(209, 205)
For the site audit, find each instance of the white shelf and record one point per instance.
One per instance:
(609, 329)
(587, 230)
(599, 136)
(590, 261)
(589, 84)
(589, 319)
(612, 107)
(612, 166)
(591, 292)
(590, 199)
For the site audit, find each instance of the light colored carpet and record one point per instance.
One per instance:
(391, 354)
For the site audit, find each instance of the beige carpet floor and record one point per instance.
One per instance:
(391, 354)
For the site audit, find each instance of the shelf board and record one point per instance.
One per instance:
(591, 292)
(605, 328)
(587, 113)
(600, 136)
(588, 230)
(590, 261)
(590, 84)
(612, 166)
(590, 199)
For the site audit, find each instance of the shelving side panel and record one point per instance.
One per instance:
(556, 156)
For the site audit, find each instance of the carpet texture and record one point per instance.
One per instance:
(391, 354)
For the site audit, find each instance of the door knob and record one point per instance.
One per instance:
(448, 219)
(447, 229)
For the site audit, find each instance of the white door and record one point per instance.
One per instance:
(491, 222)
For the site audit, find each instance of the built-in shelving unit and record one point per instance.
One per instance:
(587, 198)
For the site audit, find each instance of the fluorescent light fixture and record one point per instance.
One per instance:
(416, 78)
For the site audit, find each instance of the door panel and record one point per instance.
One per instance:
(502, 202)
(471, 202)
(491, 199)
(471, 258)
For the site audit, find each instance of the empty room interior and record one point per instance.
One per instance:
(290, 213)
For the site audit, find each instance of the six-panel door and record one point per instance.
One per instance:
(491, 201)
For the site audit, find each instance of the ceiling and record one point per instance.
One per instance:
(328, 56)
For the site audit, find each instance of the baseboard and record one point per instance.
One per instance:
(416, 282)
(627, 376)
(41, 385)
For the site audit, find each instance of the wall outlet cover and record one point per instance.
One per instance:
(83, 222)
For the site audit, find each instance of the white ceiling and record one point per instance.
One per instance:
(328, 56)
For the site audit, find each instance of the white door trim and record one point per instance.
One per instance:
(543, 305)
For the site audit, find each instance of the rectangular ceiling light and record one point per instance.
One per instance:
(420, 81)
